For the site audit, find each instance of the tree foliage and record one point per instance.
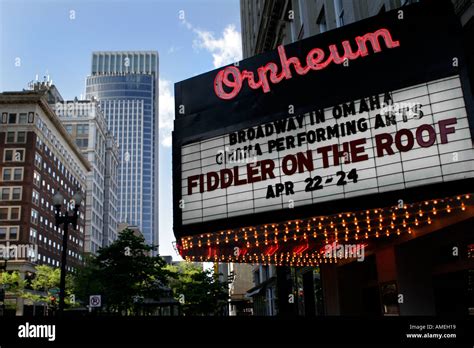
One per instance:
(45, 286)
(123, 273)
(199, 291)
(12, 282)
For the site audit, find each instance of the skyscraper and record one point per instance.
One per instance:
(126, 85)
(85, 123)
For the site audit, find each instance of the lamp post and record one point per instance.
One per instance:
(3, 288)
(65, 219)
(6, 256)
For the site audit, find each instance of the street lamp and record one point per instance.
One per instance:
(3, 289)
(65, 219)
(6, 257)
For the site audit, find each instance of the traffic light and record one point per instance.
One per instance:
(53, 300)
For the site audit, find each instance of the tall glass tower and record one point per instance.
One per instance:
(126, 85)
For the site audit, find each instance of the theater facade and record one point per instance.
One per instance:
(350, 152)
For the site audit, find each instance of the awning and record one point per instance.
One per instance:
(258, 289)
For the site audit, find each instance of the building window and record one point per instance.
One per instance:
(5, 196)
(12, 118)
(10, 193)
(339, 9)
(39, 143)
(10, 137)
(69, 128)
(23, 118)
(321, 22)
(21, 137)
(12, 174)
(34, 217)
(10, 213)
(13, 233)
(16, 193)
(35, 197)
(82, 129)
(82, 142)
(38, 160)
(271, 310)
(9, 232)
(15, 137)
(14, 155)
(17, 174)
(36, 178)
(33, 234)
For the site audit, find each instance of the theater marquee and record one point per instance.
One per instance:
(361, 117)
(405, 138)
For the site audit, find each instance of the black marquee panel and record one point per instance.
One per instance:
(429, 36)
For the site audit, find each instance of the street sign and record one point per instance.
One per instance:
(95, 301)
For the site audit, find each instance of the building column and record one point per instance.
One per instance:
(414, 278)
(330, 289)
(284, 290)
(20, 302)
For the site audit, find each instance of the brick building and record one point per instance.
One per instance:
(37, 158)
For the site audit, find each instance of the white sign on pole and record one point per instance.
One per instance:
(95, 301)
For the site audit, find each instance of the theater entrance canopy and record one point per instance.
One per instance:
(361, 135)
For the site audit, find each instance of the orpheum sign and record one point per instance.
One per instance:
(325, 125)
(233, 78)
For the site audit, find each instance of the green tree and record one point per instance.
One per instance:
(199, 291)
(12, 282)
(123, 273)
(45, 286)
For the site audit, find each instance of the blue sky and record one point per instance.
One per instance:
(57, 37)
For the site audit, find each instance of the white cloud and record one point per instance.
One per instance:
(225, 49)
(173, 49)
(166, 111)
